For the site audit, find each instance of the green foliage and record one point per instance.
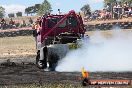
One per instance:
(19, 14)
(109, 1)
(36, 7)
(30, 10)
(27, 11)
(130, 1)
(45, 7)
(86, 9)
(2, 12)
(11, 15)
(40, 9)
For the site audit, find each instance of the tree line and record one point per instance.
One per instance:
(38, 9)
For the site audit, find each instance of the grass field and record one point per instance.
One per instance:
(109, 33)
(25, 45)
(17, 46)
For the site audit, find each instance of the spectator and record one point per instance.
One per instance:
(103, 14)
(11, 23)
(23, 23)
(126, 8)
(130, 11)
(108, 7)
(37, 32)
(89, 14)
(115, 11)
(108, 15)
(39, 20)
(96, 14)
(30, 21)
(3, 23)
(119, 6)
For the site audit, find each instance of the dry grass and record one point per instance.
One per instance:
(109, 33)
(20, 19)
(17, 46)
(108, 21)
(25, 45)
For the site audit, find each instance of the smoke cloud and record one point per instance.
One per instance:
(101, 53)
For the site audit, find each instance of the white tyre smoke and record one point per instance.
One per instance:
(101, 54)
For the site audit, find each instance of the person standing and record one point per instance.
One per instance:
(115, 11)
(119, 6)
(3, 23)
(36, 33)
(30, 21)
(126, 8)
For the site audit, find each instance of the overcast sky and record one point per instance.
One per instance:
(13, 6)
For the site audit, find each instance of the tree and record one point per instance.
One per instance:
(86, 9)
(19, 14)
(2, 12)
(36, 7)
(109, 1)
(45, 7)
(27, 11)
(30, 10)
(11, 15)
(126, 1)
(129, 1)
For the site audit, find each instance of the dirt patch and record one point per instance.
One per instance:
(14, 72)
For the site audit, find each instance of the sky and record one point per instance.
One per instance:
(13, 6)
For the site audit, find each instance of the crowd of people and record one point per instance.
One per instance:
(117, 10)
(9, 24)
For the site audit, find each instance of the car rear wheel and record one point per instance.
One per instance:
(41, 64)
